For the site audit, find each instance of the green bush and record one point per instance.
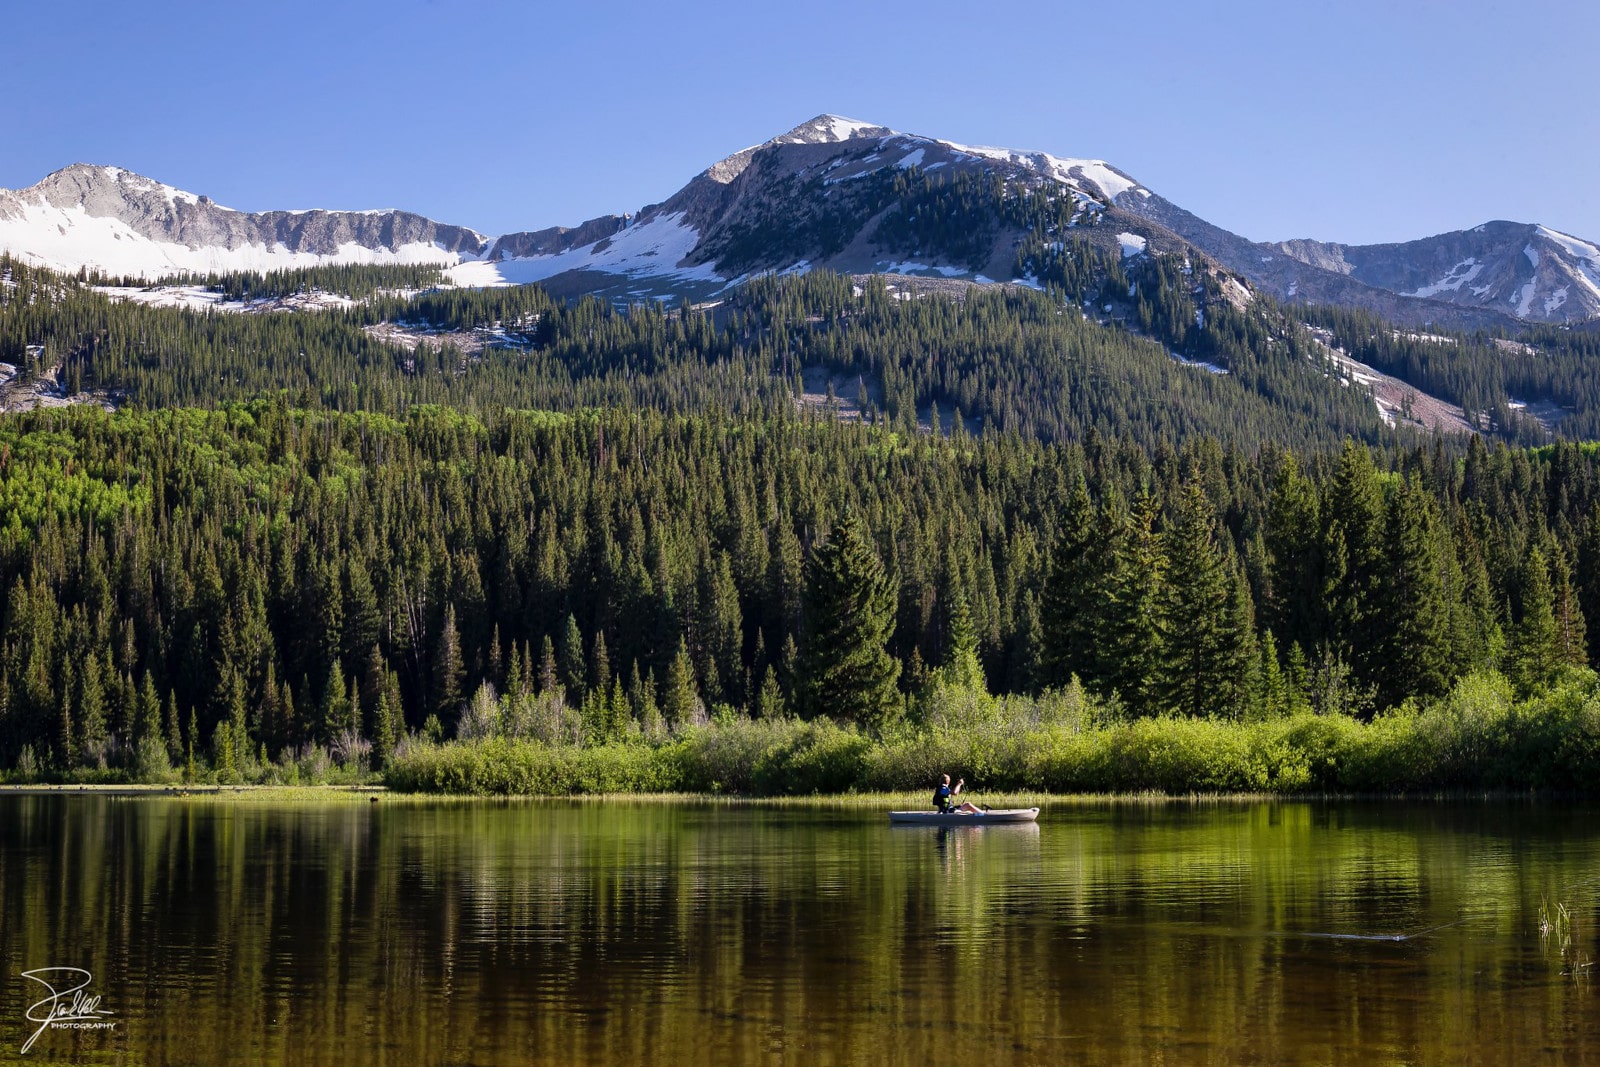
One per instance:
(1478, 736)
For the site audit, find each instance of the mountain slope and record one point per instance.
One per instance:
(1532, 272)
(122, 223)
(851, 196)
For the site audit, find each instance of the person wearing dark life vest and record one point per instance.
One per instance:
(944, 798)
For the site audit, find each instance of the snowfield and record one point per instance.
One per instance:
(1072, 172)
(1453, 280)
(650, 249)
(65, 239)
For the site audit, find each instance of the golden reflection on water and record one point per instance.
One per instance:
(554, 932)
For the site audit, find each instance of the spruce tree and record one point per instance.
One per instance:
(1129, 640)
(680, 703)
(1353, 560)
(91, 701)
(769, 698)
(1535, 653)
(961, 669)
(148, 721)
(1411, 611)
(173, 734)
(846, 670)
(549, 678)
(1295, 595)
(599, 665)
(1200, 668)
(571, 662)
(1065, 609)
(449, 670)
(1571, 633)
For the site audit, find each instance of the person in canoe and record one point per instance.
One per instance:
(944, 798)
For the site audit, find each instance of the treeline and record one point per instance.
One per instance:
(1012, 361)
(235, 584)
(356, 281)
(1482, 372)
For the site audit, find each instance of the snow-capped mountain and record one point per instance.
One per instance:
(832, 192)
(816, 196)
(1532, 272)
(125, 224)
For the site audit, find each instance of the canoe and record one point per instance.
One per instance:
(942, 818)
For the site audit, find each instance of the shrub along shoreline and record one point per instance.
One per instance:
(1478, 737)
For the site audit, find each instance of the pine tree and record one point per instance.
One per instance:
(769, 698)
(572, 662)
(1066, 607)
(91, 701)
(1411, 610)
(960, 669)
(336, 712)
(651, 722)
(449, 669)
(517, 673)
(680, 703)
(1200, 670)
(382, 731)
(496, 667)
(548, 678)
(1353, 562)
(1588, 569)
(1295, 602)
(174, 736)
(599, 665)
(1129, 641)
(1535, 653)
(148, 720)
(1571, 637)
(846, 670)
(1272, 688)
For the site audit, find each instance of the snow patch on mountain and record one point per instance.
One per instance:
(912, 268)
(1453, 280)
(1586, 255)
(1073, 172)
(1132, 244)
(1523, 298)
(839, 128)
(650, 249)
(66, 238)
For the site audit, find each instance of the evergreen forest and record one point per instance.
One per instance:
(558, 546)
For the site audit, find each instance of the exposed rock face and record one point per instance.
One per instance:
(819, 195)
(1515, 268)
(556, 239)
(172, 217)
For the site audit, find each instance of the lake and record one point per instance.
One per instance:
(616, 932)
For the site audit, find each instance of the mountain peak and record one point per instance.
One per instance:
(830, 129)
(824, 129)
(81, 182)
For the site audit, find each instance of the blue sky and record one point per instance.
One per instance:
(1355, 121)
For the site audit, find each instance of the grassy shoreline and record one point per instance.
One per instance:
(1480, 739)
(877, 801)
(839, 802)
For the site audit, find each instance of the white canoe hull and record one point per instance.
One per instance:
(987, 818)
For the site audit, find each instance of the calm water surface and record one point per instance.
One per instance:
(610, 932)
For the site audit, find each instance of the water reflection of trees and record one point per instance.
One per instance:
(653, 932)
